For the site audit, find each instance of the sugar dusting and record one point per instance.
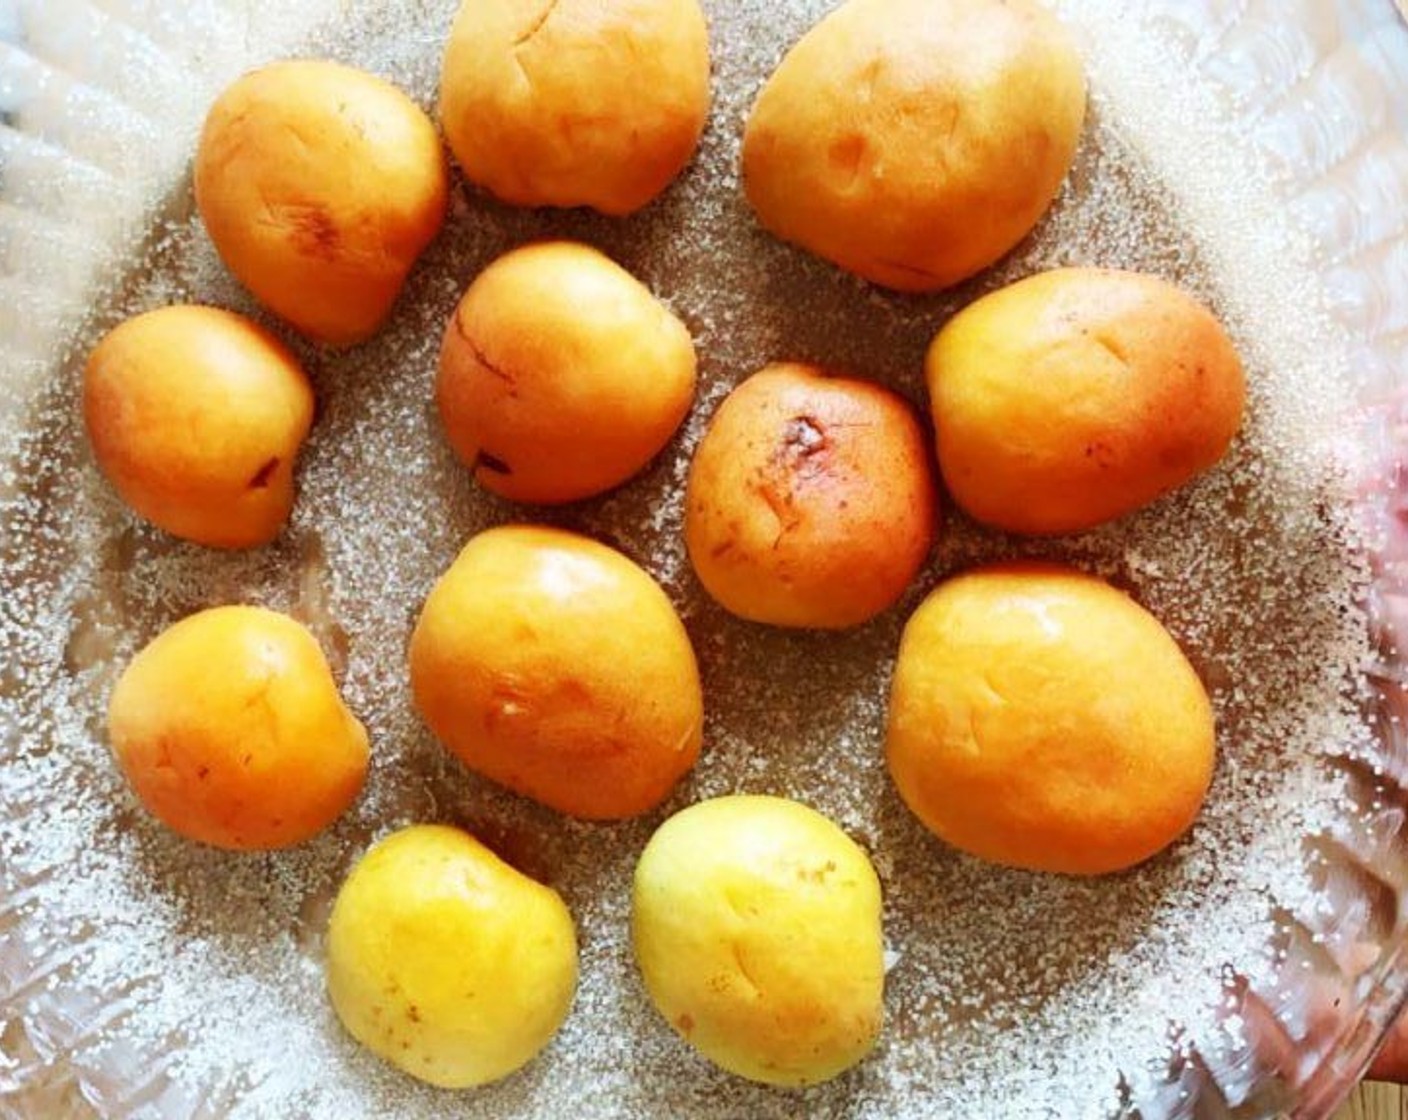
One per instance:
(1010, 994)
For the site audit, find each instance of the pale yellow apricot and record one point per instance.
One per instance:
(445, 961)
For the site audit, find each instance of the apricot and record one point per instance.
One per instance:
(1078, 396)
(1042, 719)
(231, 732)
(561, 376)
(915, 142)
(446, 962)
(810, 501)
(756, 925)
(576, 102)
(555, 666)
(320, 186)
(196, 416)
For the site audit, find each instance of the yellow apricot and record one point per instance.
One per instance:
(756, 925)
(445, 961)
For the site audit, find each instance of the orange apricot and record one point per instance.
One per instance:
(555, 666)
(1080, 395)
(576, 102)
(230, 730)
(321, 185)
(1041, 718)
(196, 416)
(561, 376)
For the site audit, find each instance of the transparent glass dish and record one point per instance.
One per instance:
(1299, 108)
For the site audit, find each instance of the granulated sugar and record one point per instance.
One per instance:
(1010, 994)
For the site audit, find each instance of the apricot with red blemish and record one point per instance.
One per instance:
(811, 501)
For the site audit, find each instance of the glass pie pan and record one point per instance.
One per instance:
(1254, 150)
